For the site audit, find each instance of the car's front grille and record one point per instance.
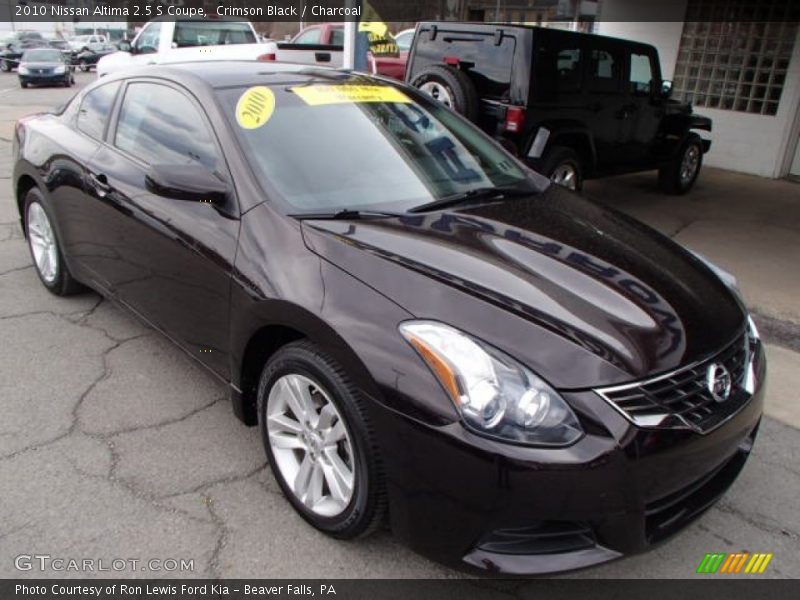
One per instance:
(682, 398)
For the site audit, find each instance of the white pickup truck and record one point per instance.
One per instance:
(164, 41)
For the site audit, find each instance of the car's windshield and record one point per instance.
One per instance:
(42, 56)
(327, 147)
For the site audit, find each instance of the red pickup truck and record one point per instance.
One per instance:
(332, 34)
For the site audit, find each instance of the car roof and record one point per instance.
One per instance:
(238, 73)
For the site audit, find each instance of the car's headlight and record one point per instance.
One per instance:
(22, 70)
(494, 394)
(59, 70)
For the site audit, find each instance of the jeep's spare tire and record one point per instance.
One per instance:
(451, 87)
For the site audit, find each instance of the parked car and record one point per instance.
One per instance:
(169, 40)
(392, 64)
(520, 380)
(45, 66)
(62, 45)
(88, 58)
(13, 47)
(81, 43)
(573, 105)
(404, 38)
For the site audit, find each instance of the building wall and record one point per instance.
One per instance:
(761, 145)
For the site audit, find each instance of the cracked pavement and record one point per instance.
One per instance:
(114, 444)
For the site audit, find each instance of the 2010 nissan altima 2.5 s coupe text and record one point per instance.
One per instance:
(429, 335)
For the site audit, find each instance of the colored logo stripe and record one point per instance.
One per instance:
(711, 563)
(758, 564)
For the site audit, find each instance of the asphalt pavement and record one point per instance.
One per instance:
(114, 445)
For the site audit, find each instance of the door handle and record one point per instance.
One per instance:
(100, 184)
(322, 56)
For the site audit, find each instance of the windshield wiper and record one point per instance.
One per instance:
(347, 214)
(494, 193)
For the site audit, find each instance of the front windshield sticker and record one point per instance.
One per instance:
(255, 107)
(316, 95)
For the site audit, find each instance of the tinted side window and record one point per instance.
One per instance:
(557, 68)
(641, 74)
(95, 108)
(605, 70)
(147, 42)
(160, 125)
(312, 36)
(337, 37)
(214, 33)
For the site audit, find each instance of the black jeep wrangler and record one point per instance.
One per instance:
(573, 105)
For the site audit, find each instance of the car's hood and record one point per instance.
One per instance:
(594, 277)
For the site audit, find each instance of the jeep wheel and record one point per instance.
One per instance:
(680, 173)
(563, 166)
(451, 87)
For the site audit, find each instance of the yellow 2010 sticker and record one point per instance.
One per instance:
(319, 94)
(255, 107)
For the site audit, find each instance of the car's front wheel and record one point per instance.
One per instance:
(43, 243)
(5, 66)
(680, 173)
(319, 441)
(84, 66)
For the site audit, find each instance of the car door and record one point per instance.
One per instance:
(605, 100)
(173, 258)
(80, 223)
(644, 109)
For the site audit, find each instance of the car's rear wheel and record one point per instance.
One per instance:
(319, 441)
(563, 166)
(680, 173)
(451, 87)
(45, 250)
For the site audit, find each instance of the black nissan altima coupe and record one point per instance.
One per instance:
(430, 336)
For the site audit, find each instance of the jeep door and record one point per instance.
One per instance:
(644, 109)
(605, 100)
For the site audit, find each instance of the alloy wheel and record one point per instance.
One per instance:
(438, 92)
(689, 164)
(311, 445)
(42, 242)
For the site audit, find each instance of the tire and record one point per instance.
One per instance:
(5, 67)
(60, 281)
(23, 85)
(311, 369)
(558, 162)
(67, 82)
(83, 66)
(451, 87)
(680, 173)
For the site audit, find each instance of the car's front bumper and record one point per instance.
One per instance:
(43, 79)
(474, 503)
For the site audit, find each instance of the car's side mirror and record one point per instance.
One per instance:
(125, 46)
(666, 88)
(192, 182)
